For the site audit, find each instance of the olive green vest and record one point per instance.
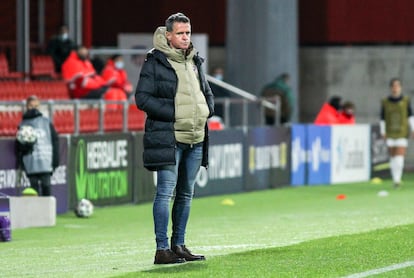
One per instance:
(396, 117)
(191, 110)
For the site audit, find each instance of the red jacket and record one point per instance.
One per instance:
(328, 115)
(117, 78)
(81, 76)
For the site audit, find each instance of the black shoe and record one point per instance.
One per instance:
(182, 252)
(167, 257)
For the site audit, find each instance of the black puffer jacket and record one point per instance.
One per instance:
(155, 95)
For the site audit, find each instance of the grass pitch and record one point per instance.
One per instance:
(289, 232)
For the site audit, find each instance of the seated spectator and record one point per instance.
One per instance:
(218, 73)
(60, 46)
(347, 116)
(330, 112)
(115, 74)
(83, 80)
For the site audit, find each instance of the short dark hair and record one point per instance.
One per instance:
(335, 101)
(395, 79)
(177, 17)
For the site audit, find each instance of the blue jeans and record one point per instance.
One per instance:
(180, 177)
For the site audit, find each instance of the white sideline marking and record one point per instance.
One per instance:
(381, 270)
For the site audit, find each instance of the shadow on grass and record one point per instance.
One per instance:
(185, 268)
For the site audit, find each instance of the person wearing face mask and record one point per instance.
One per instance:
(115, 73)
(40, 159)
(347, 114)
(59, 47)
(84, 82)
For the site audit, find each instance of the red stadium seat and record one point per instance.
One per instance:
(42, 67)
(20, 90)
(9, 121)
(4, 69)
(89, 120)
(12, 91)
(64, 121)
(113, 120)
(56, 89)
(136, 118)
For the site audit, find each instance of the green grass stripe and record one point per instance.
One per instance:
(329, 257)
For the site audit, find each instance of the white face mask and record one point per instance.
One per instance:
(65, 36)
(119, 64)
(218, 76)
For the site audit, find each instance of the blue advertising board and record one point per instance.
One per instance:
(298, 155)
(268, 160)
(319, 154)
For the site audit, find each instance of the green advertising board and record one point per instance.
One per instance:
(100, 169)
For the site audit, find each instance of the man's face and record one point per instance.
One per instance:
(396, 88)
(180, 36)
(34, 104)
(83, 53)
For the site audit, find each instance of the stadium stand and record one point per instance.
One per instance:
(69, 116)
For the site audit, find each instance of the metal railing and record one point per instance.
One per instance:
(49, 107)
(253, 107)
(242, 110)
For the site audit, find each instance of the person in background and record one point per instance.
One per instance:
(59, 47)
(218, 73)
(347, 114)
(42, 158)
(279, 87)
(330, 112)
(173, 91)
(219, 92)
(396, 123)
(115, 74)
(84, 82)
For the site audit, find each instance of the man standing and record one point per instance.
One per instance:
(396, 122)
(174, 93)
(41, 159)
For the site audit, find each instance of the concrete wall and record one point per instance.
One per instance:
(358, 74)
(262, 42)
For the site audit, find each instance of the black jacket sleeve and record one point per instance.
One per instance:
(208, 94)
(55, 147)
(146, 98)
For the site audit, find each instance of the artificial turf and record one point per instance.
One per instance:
(288, 232)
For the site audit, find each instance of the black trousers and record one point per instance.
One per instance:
(40, 183)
